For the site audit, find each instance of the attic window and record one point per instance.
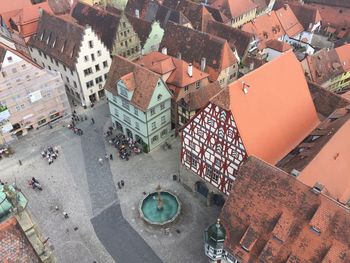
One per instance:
(159, 97)
(317, 189)
(42, 36)
(54, 42)
(63, 46)
(9, 59)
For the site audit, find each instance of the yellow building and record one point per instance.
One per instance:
(238, 11)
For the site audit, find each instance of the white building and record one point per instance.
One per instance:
(30, 96)
(76, 52)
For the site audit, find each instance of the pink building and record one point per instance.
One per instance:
(30, 96)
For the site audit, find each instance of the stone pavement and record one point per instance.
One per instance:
(109, 226)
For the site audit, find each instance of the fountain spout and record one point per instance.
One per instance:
(159, 199)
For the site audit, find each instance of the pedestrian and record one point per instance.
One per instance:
(100, 160)
(74, 112)
(106, 156)
(20, 162)
(92, 121)
(122, 183)
(119, 185)
(65, 214)
(111, 157)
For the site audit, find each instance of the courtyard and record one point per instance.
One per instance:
(104, 224)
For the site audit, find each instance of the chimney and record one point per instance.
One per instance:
(245, 88)
(189, 70)
(165, 51)
(137, 13)
(203, 64)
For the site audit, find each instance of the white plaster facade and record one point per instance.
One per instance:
(95, 57)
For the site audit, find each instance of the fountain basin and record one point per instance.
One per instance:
(150, 212)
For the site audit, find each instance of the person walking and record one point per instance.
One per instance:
(111, 157)
(92, 121)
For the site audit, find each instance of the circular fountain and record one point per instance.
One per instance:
(160, 207)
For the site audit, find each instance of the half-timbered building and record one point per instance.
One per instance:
(245, 119)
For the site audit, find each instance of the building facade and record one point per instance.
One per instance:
(76, 53)
(30, 97)
(112, 27)
(139, 103)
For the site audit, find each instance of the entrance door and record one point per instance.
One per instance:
(101, 93)
(138, 139)
(92, 97)
(202, 188)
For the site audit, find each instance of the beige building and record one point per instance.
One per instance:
(30, 97)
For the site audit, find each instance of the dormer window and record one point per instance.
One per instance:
(54, 43)
(42, 36)
(63, 46)
(48, 39)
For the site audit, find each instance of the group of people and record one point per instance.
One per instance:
(121, 184)
(34, 183)
(50, 153)
(72, 125)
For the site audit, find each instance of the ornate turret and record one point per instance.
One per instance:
(214, 237)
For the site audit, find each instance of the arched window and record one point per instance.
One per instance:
(221, 132)
(223, 116)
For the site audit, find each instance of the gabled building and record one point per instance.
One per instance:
(30, 96)
(139, 103)
(272, 217)
(114, 29)
(241, 42)
(265, 113)
(182, 80)
(329, 68)
(238, 11)
(210, 54)
(149, 33)
(76, 52)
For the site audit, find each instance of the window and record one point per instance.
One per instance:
(136, 111)
(125, 104)
(192, 145)
(4, 74)
(116, 113)
(105, 64)
(211, 123)
(221, 132)
(86, 58)
(162, 106)
(217, 162)
(197, 85)
(123, 92)
(40, 54)
(232, 75)
(87, 71)
(51, 60)
(208, 171)
(186, 88)
(99, 53)
(93, 57)
(91, 44)
(223, 116)
(106, 75)
(163, 119)
(159, 97)
(45, 56)
(71, 72)
(127, 119)
(67, 79)
(128, 52)
(163, 133)
(154, 138)
(89, 84)
(229, 186)
(154, 125)
(137, 126)
(98, 79)
(230, 132)
(124, 24)
(153, 111)
(219, 148)
(42, 64)
(49, 68)
(194, 161)
(56, 63)
(75, 84)
(216, 175)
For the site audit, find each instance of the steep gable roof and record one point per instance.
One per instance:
(265, 28)
(142, 81)
(237, 39)
(104, 23)
(59, 37)
(344, 56)
(141, 27)
(289, 221)
(234, 8)
(195, 45)
(217, 14)
(278, 45)
(288, 21)
(14, 244)
(272, 108)
(323, 65)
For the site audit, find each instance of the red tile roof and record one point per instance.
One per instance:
(344, 56)
(195, 45)
(277, 112)
(289, 22)
(278, 45)
(234, 8)
(280, 211)
(137, 78)
(14, 245)
(265, 28)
